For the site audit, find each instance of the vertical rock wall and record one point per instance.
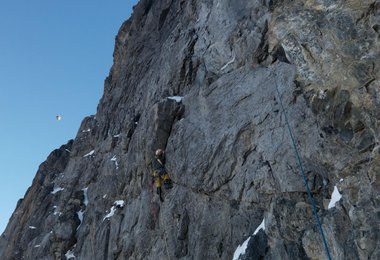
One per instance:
(227, 143)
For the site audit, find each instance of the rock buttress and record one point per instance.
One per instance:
(227, 144)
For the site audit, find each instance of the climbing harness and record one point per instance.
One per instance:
(303, 174)
(162, 177)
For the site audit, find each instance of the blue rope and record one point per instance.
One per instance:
(304, 177)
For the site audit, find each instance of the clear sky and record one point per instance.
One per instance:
(54, 57)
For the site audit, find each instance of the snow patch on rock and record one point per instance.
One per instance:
(85, 201)
(117, 204)
(335, 197)
(57, 189)
(89, 154)
(240, 250)
(178, 99)
(114, 159)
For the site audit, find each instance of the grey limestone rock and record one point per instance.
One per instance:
(242, 69)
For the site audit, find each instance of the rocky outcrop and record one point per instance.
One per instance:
(234, 64)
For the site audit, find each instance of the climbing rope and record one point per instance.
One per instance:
(304, 175)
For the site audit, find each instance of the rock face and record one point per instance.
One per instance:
(229, 153)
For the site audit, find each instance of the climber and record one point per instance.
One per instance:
(159, 174)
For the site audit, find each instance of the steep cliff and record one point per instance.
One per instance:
(234, 64)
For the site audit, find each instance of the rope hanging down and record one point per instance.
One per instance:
(304, 176)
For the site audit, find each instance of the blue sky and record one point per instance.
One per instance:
(54, 57)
